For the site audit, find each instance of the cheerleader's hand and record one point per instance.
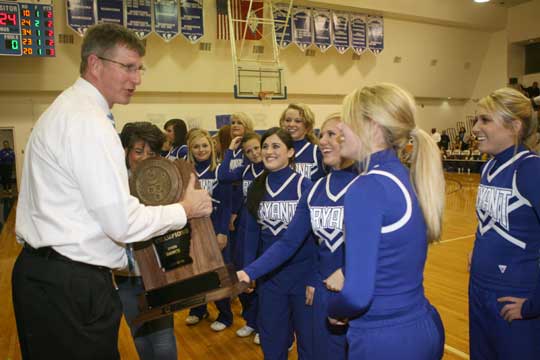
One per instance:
(340, 322)
(243, 276)
(222, 241)
(512, 310)
(310, 293)
(335, 281)
(235, 143)
(231, 222)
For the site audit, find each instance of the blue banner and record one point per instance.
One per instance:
(302, 31)
(110, 11)
(80, 15)
(139, 17)
(375, 27)
(166, 18)
(341, 32)
(358, 33)
(321, 29)
(222, 120)
(191, 15)
(282, 26)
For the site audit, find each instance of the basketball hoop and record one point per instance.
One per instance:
(265, 97)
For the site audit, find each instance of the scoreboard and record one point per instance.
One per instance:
(26, 29)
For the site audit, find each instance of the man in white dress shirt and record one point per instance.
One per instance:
(75, 213)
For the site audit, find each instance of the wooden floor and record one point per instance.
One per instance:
(445, 282)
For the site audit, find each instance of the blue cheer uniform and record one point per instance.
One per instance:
(319, 211)
(308, 160)
(244, 174)
(385, 252)
(506, 258)
(221, 213)
(282, 292)
(178, 152)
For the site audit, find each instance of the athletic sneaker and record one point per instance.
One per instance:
(245, 331)
(218, 326)
(194, 319)
(257, 339)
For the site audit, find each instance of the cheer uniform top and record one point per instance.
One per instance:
(178, 152)
(308, 160)
(276, 210)
(320, 210)
(246, 174)
(220, 193)
(386, 244)
(236, 161)
(507, 248)
(386, 247)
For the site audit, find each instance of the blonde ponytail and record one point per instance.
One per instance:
(427, 178)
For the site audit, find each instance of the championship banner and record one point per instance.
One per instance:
(110, 11)
(322, 36)
(283, 30)
(191, 15)
(80, 15)
(375, 25)
(254, 27)
(139, 17)
(340, 31)
(166, 18)
(302, 31)
(358, 33)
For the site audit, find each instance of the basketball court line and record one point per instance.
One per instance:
(448, 348)
(457, 238)
(454, 351)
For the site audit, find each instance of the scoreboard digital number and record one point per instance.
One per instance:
(26, 29)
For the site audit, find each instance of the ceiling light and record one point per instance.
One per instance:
(481, 1)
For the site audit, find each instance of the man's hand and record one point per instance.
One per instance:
(197, 202)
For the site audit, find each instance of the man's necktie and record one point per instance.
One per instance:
(111, 117)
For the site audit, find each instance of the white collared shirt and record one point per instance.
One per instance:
(74, 191)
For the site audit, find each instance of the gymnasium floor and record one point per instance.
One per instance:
(445, 282)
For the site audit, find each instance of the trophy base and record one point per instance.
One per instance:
(212, 286)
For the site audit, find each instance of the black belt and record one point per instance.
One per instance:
(48, 252)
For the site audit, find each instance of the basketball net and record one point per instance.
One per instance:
(266, 97)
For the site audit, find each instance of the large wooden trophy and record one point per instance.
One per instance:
(183, 268)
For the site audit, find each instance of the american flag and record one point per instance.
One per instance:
(239, 9)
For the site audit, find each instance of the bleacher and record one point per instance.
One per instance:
(466, 160)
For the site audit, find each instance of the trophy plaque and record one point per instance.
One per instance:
(182, 268)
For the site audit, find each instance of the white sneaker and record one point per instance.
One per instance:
(218, 326)
(193, 319)
(245, 331)
(257, 339)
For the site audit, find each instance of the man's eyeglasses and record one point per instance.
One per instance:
(131, 68)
